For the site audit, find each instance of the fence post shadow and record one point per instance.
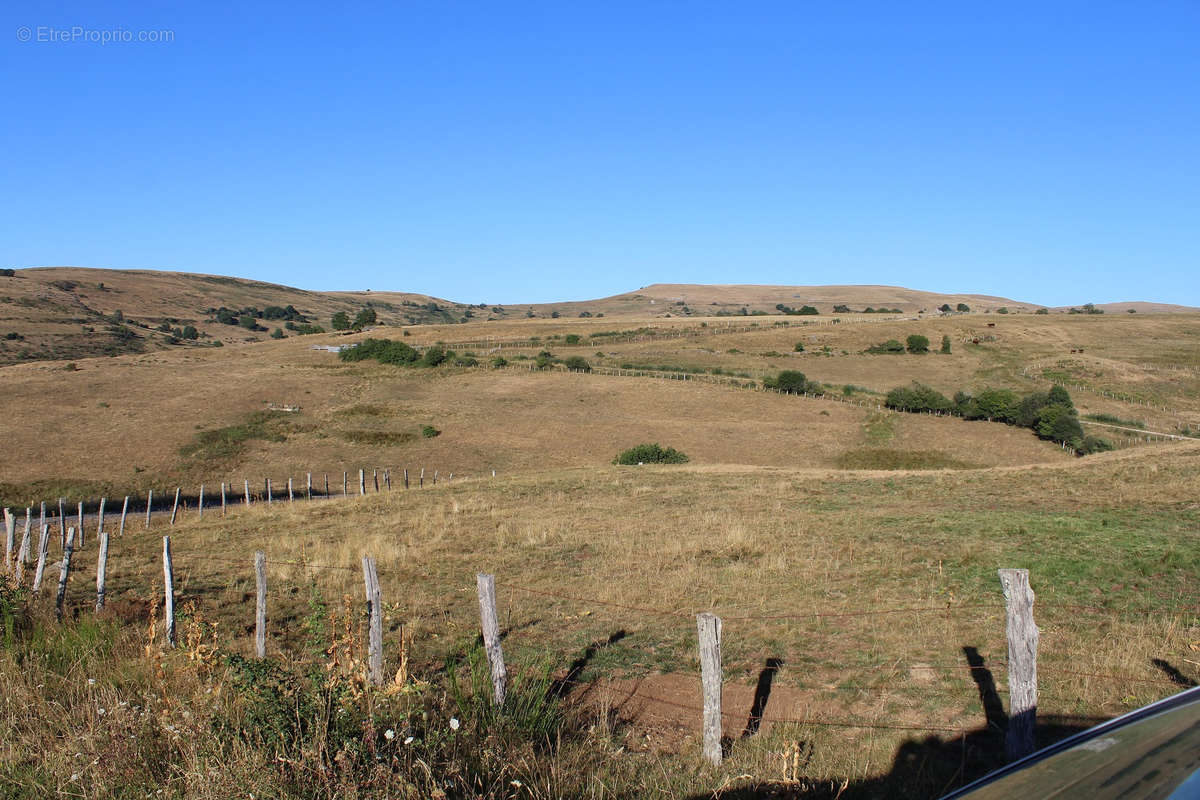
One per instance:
(561, 687)
(762, 693)
(993, 708)
(1173, 675)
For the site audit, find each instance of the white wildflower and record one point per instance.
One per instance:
(453, 724)
(409, 740)
(389, 734)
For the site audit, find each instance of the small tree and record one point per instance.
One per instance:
(577, 364)
(799, 348)
(916, 343)
(650, 454)
(340, 321)
(364, 318)
(963, 307)
(277, 333)
(790, 381)
(944, 308)
(946, 343)
(572, 338)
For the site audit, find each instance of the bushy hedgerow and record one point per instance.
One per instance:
(792, 381)
(385, 351)
(651, 454)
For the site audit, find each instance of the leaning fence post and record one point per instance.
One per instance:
(149, 505)
(10, 528)
(175, 508)
(43, 551)
(168, 593)
(100, 515)
(260, 606)
(490, 625)
(708, 628)
(101, 570)
(1022, 663)
(124, 513)
(63, 571)
(375, 624)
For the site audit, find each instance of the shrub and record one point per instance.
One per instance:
(1094, 444)
(8, 273)
(340, 321)
(577, 364)
(1058, 423)
(799, 348)
(364, 318)
(917, 398)
(13, 336)
(946, 343)
(572, 338)
(384, 351)
(499, 361)
(792, 381)
(890, 346)
(916, 343)
(963, 307)
(433, 356)
(651, 454)
(428, 431)
(278, 334)
(1002, 310)
(1042, 311)
(544, 359)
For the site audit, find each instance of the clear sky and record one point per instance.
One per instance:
(508, 152)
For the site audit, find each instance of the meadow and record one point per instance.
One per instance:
(851, 551)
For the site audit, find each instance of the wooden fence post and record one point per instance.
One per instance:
(421, 480)
(100, 516)
(200, 503)
(149, 505)
(362, 482)
(260, 606)
(10, 535)
(23, 551)
(246, 490)
(708, 628)
(42, 517)
(375, 623)
(345, 483)
(291, 494)
(1022, 663)
(43, 551)
(124, 513)
(222, 498)
(375, 477)
(168, 593)
(268, 489)
(175, 508)
(308, 486)
(79, 532)
(63, 571)
(406, 477)
(62, 524)
(387, 479)
(101, 570)
(489, 624)
(326, 485)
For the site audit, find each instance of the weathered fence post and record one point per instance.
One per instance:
(308, 486)
(268, 488)
(42, 516)
(435, 473)
(175, 508)
(345, 483)
(79, 532)
(10, 535)
(326, 485)
(421, 480)
(222, 498)
(63, 571)
(200, 502)
(1022, 663)
(291, 494)
(101, 570)
(406, 477)
(246, 490)
(43, 551)
(124, 513)
(375, 623)
(168, 594)
(100, 516)
(149, 505)
(489, 624)
(708, 628)
(375, 477)
(260, 606)
(23, 552)
(362, 482)
(62, 525)
(387, 479)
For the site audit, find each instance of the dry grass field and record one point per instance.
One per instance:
(851, 551)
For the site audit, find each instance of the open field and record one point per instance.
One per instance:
(852, 551)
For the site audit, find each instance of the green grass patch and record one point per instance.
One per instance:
(230, 441)
(1113, 420)
(378, 437)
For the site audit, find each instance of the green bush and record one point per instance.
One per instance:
(799, 348)
(499, 361)
(340, 321)
(890, 346)
(572, 338)
(278, 334)
(917, 398)
(577, 364)
(792, 381)
(433, 356)
(428, 431)
(385, 351)
(544, 359)
(946, 344)
(916, 343)
(963, 307)
(364, 318)
(650, 454)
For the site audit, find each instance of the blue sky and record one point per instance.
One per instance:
(1048, 152)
